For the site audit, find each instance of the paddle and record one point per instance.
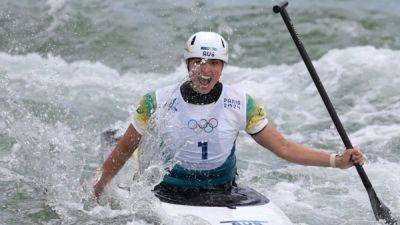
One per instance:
(381, 212)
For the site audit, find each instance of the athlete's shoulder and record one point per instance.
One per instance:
(234, 91)
(147, 104)
(166, 92)
(250, 99)
(149, 96)
(256, 118)
(168, 88)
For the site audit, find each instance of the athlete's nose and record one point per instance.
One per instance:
(206, 68)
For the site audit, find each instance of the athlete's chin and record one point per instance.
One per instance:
(205, 89)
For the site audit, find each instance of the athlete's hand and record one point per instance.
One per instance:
(98, 189)
(349, 158)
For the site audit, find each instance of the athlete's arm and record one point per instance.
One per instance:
(121, 153)
(271, 139)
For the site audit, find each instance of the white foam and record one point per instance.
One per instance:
(56, 5)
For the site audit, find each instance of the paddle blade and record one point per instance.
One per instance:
(381, 212)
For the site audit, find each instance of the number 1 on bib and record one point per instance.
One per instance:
(203, 146)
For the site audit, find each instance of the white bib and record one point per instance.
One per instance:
(201, 137)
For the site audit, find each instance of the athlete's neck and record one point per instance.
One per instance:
(193, 97)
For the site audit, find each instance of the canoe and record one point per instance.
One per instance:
(239, 206)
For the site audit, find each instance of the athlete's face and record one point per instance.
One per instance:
(204, 73)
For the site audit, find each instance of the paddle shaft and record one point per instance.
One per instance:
(322, 92)
(332, 112)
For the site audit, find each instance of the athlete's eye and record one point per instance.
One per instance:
(197, 61)
(215, 62)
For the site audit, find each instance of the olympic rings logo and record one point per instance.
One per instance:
(203, 124)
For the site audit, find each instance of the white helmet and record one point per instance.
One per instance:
(206, 45)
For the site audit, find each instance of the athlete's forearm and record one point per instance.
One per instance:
(114, 162)
(121, 153)
(273, 140)
(303, 155)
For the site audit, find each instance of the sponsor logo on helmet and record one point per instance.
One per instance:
(208, 48)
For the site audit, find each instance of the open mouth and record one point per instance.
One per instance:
(204, 80)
